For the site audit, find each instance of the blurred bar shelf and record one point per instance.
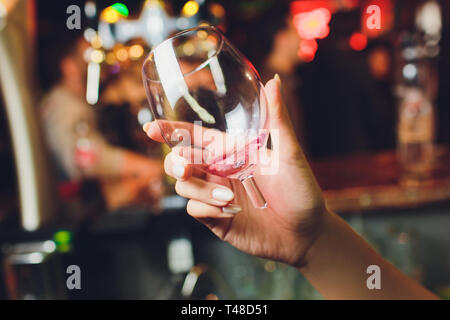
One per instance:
(373, 182)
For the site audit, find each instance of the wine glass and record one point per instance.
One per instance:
(209, 104)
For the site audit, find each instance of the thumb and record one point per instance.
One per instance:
(281, 128)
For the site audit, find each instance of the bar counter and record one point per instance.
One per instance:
(367, 182)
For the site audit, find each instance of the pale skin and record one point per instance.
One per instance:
(296, 228)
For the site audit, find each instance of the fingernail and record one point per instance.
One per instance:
(277, 78)
(178, 167)
(146, 127)
(178, 170)
(222, 194)
(232, 209)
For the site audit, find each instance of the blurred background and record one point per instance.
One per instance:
(366, 83)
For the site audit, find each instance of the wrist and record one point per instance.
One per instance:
(320, 230)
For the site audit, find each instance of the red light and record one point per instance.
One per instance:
(308, 49)
(358, 41)
(350, 4)
(314, 24)
(310, 5)
(311, 19)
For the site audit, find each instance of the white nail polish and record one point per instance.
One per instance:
(178, 170)
(231, 209)
(222, 194)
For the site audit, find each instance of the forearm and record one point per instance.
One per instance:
(336, 265)
(117, 163)
(110, 163)
(136, 165)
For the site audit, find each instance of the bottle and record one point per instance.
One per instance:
(416, 115)
(85, 149)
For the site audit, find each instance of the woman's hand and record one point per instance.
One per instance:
(296, 209)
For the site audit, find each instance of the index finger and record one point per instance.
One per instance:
(165, 131)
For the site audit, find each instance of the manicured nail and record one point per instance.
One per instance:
(146, 127)
(178, 170)
(222, 194)
(277, 78)
(178, 166)
(232, 209)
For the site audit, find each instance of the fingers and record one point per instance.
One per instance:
(209, 199)
(204, 191)
(177, 167)
(153, 131)
(177, 131)
(200, 210)
(191, 138)
(195, 188)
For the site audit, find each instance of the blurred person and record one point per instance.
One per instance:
(345, 110)
(334, 102)
(296, 228)
(122, 98)
(70, 127)
(272, 43)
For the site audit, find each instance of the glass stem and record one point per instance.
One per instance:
(253, 192)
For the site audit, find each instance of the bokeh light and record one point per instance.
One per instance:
(314, 24)
(136, 51)
(190, 8)
(358, 41)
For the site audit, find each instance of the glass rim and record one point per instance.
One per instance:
(181, 33)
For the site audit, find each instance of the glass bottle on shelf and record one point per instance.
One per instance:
(416, 115)
(85, 147)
